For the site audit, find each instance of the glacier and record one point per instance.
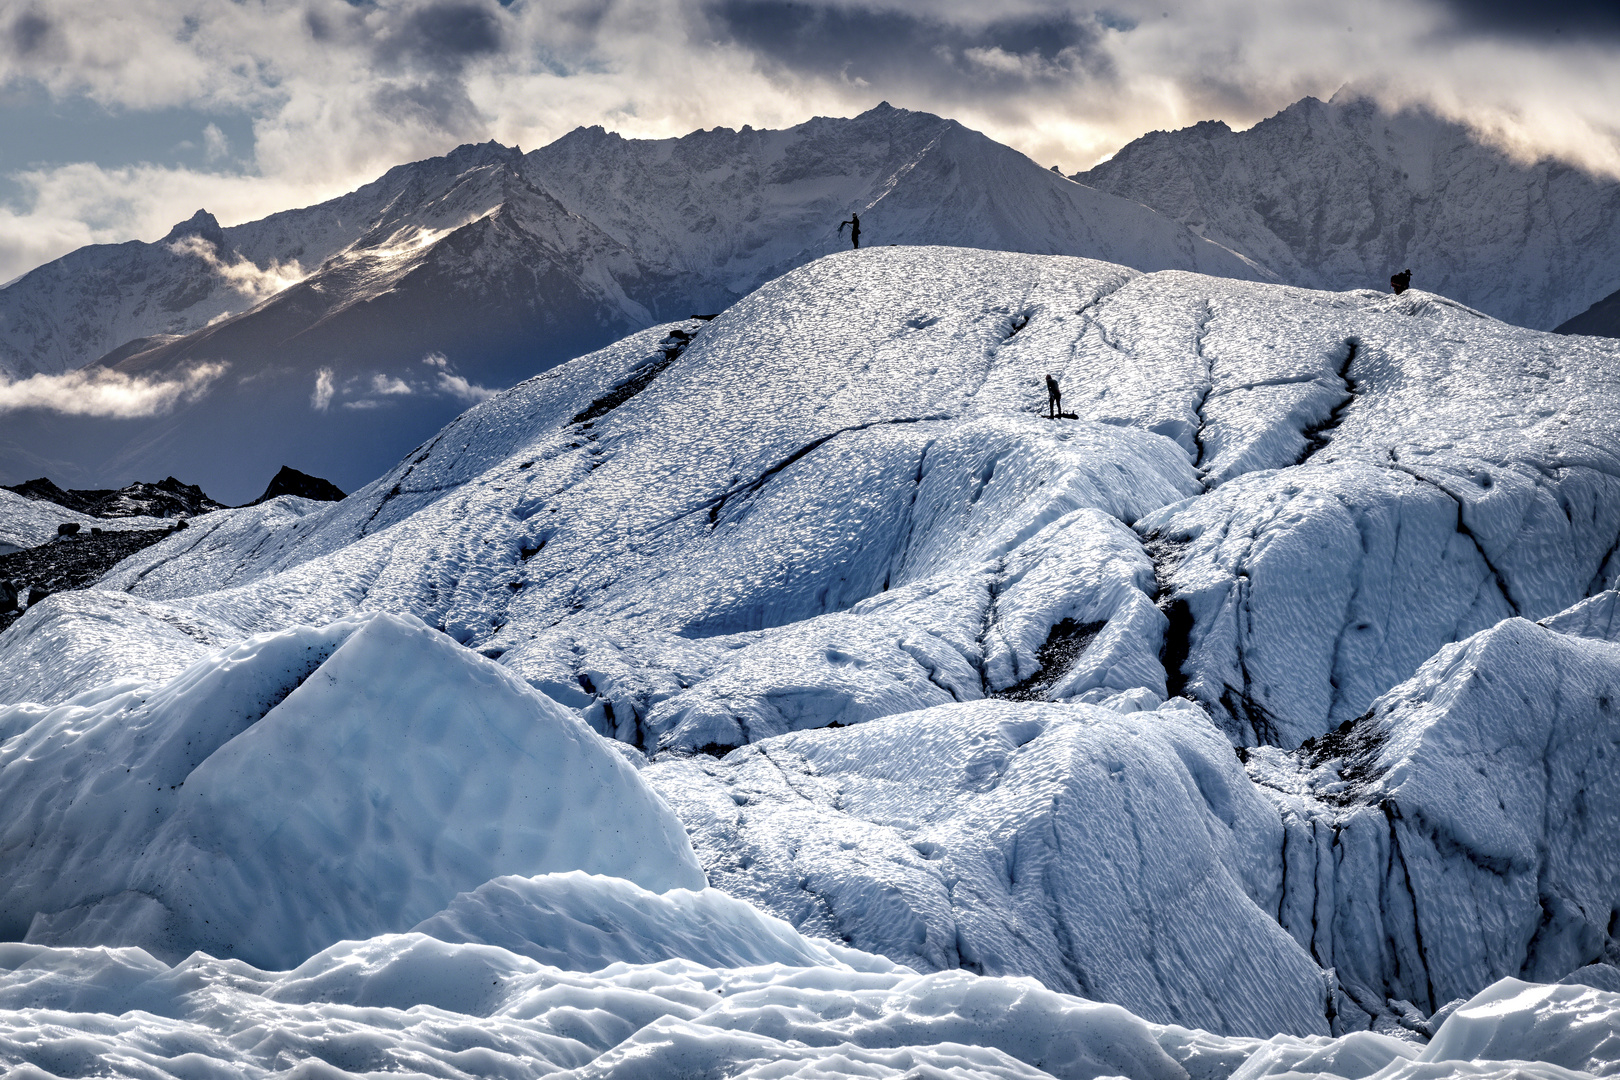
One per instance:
(784, 694)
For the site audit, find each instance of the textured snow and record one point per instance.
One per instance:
(1028, 648)
(303, 787)
(413, 1005)
(1116, 857)
(1476, 804)
(723, 558)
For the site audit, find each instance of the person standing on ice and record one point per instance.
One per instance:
(1054, 398)
(1400, 282)
(854, 224)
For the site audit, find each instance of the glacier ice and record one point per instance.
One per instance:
(1225, 703)
(306, 786)
(1119, 857)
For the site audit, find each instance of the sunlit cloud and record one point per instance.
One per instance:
(107, 393)
(241, 275)
(321, 398)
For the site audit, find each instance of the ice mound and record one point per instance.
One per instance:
(583, 922)
(94, 642)
(307, 786)
(1464, 829)
(1121, 857)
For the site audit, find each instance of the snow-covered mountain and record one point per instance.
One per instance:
(1340, 195)
(351, 330)
(1271, 695)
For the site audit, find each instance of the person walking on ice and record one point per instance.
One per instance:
(1054, 398)
(854, 224)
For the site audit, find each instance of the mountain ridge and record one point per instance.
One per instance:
(1341, 194)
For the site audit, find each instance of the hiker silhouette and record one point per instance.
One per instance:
(1401, 282)
(854, 224)
(1054, 398)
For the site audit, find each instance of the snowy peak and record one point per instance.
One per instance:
(1340, 194)
(201, 224)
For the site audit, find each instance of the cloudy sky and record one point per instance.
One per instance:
(118, 119)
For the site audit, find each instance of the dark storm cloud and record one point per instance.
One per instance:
(29, 32)
(441, 35)
(881, 46)
(1569, 20)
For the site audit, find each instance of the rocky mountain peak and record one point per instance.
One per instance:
(202, 224)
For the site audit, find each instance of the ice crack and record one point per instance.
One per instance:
(1462, 528)
(749, 490)
(1318, 436)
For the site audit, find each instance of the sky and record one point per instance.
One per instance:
(118, 119)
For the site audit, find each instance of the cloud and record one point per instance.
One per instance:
(454, 385)
(242, 275)
(107, 393)
(321, 398)
(215, 144)
(387, 384)
(458, 387)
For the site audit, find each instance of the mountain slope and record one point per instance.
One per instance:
(742, 207)
(1341, 195)
(1602, 319)
(493, 265)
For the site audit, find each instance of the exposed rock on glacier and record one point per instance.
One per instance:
(303, 787)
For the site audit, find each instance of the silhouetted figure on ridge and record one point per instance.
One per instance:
(1401, 282)
(1054, 399)
(854, 224)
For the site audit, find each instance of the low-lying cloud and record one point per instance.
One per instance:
(242, 275)
(108, 393)
(320, 399)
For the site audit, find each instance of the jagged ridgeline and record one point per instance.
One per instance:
(1272, 693)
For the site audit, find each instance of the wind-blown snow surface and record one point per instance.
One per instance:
(837, 507)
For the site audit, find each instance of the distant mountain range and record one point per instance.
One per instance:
(337, 336)
(1341, 194)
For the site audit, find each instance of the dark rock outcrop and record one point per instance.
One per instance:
(289, 481)
(167, 498)
(1602, 319)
